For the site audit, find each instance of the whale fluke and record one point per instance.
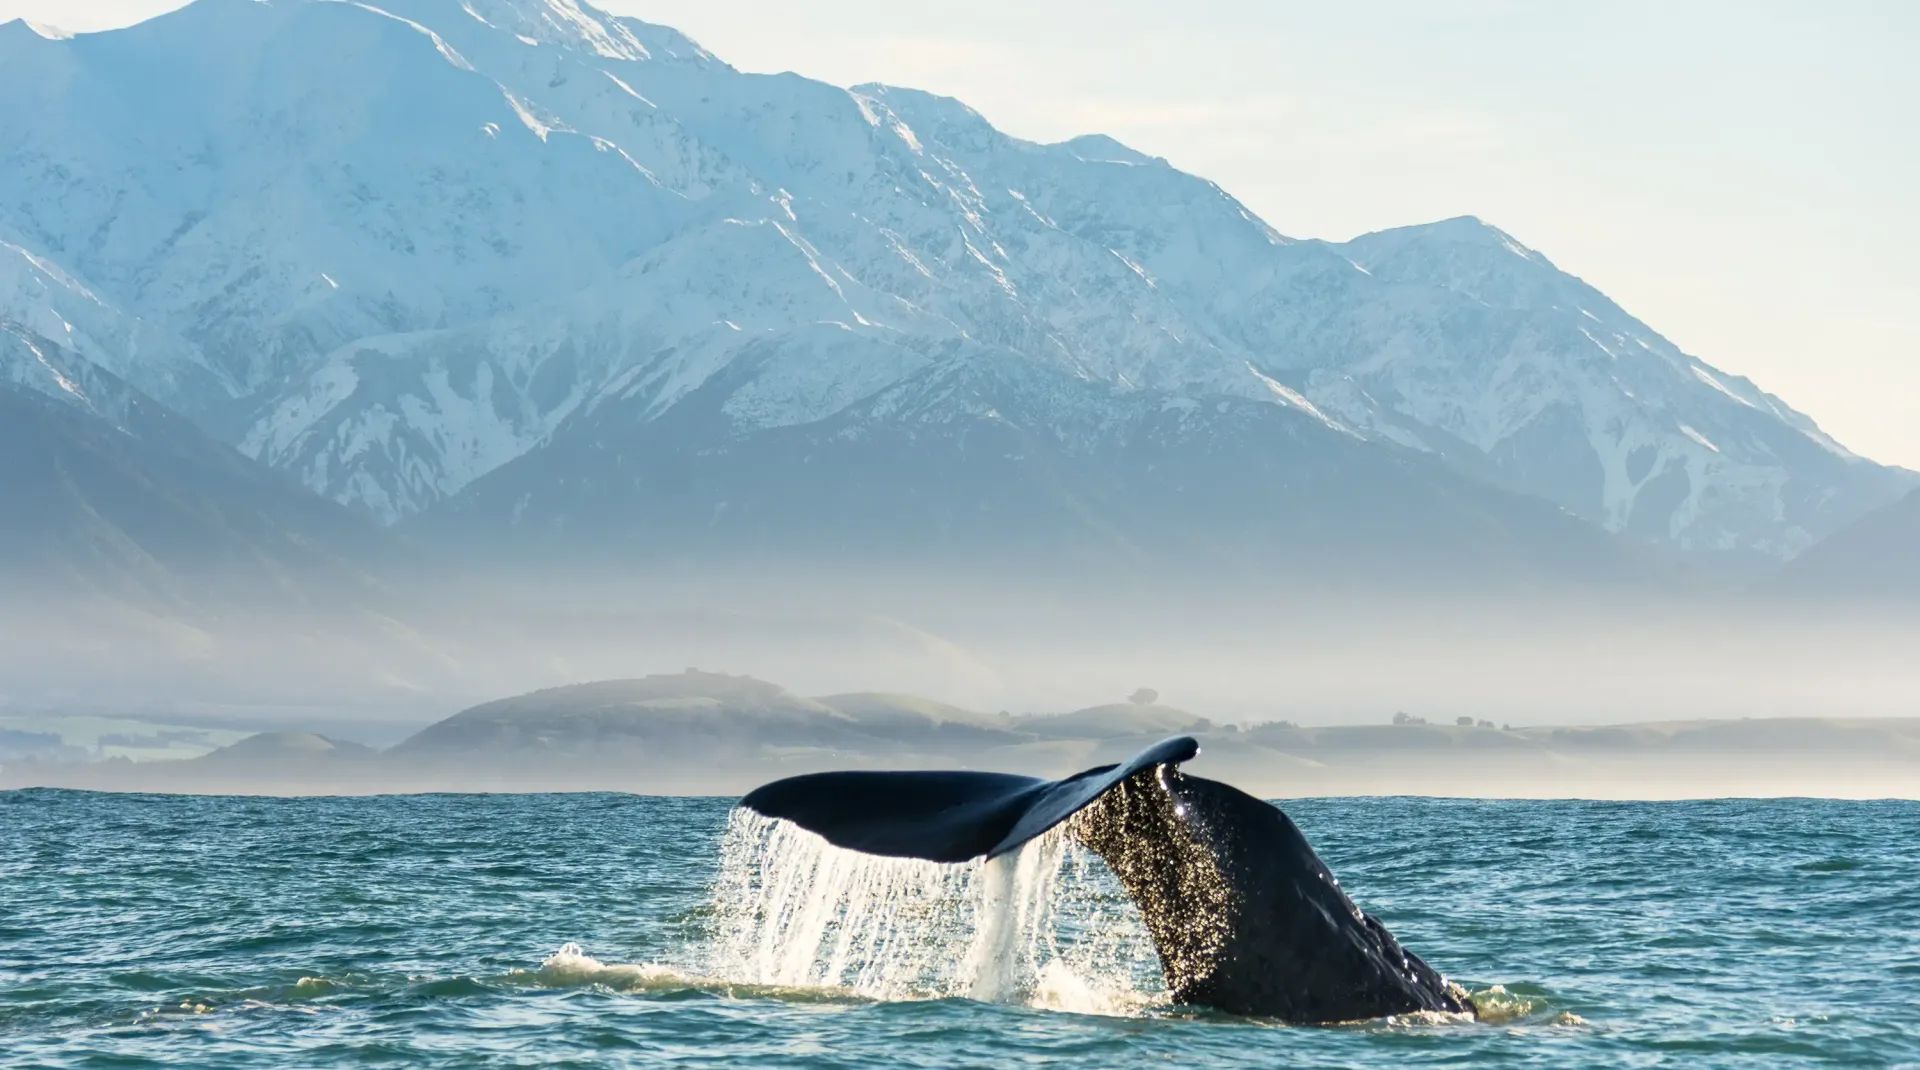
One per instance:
(1244, 915)
(944, 816)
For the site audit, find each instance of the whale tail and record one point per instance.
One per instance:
(945, 816)
(1244, 915)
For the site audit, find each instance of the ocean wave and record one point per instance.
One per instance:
(1728, 945)
(572, 967)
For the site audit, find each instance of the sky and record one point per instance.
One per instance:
(1740, 174)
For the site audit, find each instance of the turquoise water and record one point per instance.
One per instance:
(435, 931)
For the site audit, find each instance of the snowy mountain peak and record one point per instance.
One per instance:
(17, 35)
(565, 23)
(1099, 148)
(397, 246)
(574, 25)
(42, 30)
(1463, 230)
(666, 44)
(1477, 260)
(931, 110)
(1463, 240)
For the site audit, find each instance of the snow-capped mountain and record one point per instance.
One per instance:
(1483, 343)
(438, 257)
(270, 181)
(987, 465)
(38, 298)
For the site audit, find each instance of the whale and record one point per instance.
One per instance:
(1243, 914)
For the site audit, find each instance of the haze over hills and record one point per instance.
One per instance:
(710, 733)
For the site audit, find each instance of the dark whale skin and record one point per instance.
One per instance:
(1245, 917)
(945, 816)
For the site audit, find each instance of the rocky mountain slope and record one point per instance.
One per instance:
(110, 492)
(1875, 561)
(1043, 482)
(136, 551)
(517, 268)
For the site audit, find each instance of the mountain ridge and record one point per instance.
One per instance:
(137, 552)
(1872, 563)
(581, 221)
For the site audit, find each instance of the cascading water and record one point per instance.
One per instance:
(1047, 926)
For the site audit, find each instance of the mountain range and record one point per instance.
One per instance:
(308, 307)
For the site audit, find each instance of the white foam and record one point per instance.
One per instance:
(571, 966)
(1046, 927)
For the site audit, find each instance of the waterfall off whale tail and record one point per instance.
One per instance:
(1244, 915)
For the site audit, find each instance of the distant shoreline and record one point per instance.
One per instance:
(709, 734)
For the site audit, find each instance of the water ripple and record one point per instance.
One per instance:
(432, 931)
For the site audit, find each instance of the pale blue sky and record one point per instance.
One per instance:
(1739, 173)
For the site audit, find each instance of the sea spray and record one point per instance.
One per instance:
(1013, 915)
(1047, 925)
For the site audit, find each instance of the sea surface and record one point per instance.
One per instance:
(612, 930)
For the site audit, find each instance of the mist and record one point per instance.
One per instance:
(1233, 662)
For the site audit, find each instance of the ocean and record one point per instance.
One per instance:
(614, 930)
